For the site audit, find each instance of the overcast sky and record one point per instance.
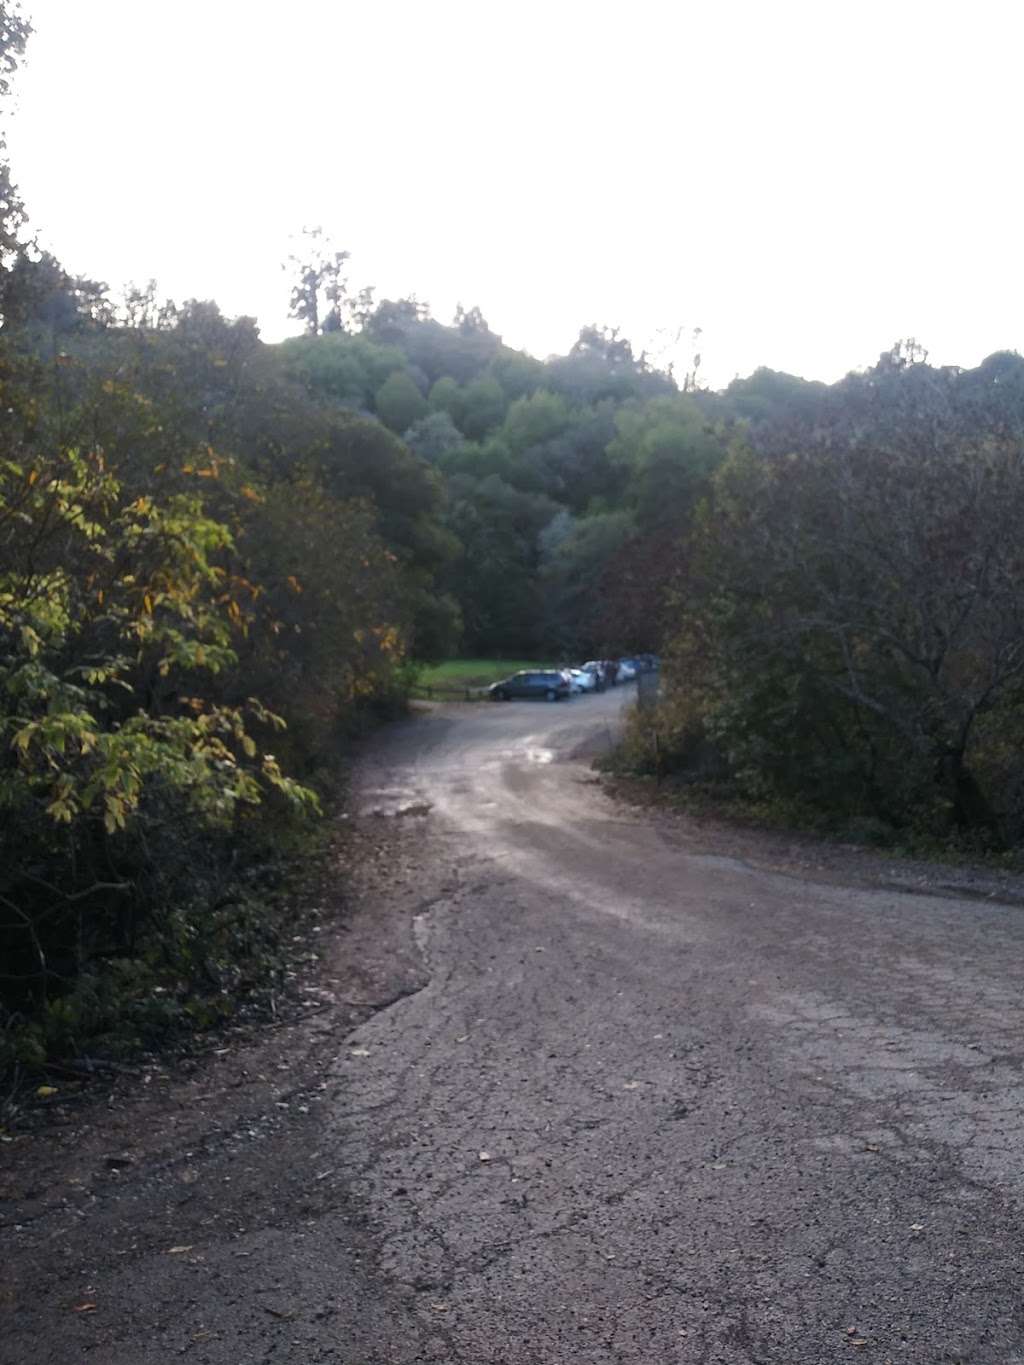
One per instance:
(806, 182)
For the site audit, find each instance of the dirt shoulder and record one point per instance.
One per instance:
(174, 1152)
(814, 857)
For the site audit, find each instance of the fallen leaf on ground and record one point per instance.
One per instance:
(485, 1156)
(45, 1091)
(84, 1308)
(177, 1251)
(359, 1052)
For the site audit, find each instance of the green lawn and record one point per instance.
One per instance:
(474, 672)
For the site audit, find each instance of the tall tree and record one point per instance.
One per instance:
(320, 297)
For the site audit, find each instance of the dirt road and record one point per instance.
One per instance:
(643, 1099)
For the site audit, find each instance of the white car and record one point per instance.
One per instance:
(582, 680)
(626, 671)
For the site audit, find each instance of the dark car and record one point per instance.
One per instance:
(548, 684)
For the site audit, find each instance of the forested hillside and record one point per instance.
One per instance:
(220, 558)
(564, 480)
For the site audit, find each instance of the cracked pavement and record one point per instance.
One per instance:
(647, 1099)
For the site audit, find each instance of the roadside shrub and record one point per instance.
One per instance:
(124, 778)
(849, 631)
(668, 737)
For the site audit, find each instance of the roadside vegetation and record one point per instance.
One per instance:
(222, 560)
(845, 615)
(210, 583)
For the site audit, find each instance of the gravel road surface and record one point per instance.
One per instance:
(639, 1097)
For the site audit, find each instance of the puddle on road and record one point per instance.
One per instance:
(540, 755)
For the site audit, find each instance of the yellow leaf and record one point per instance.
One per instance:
(45, 1091)
(60, 810)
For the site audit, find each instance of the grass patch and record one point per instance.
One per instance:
(462, 673)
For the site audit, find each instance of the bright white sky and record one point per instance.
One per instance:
(805, 181)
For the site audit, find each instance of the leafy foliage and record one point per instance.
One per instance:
(399, 403)
(117, 620)
(849, 623)
(212, 571)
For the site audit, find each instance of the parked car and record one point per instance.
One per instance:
(594, 669)
(549, 684)
(583, 680)
(627, 670)
(603, 670)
